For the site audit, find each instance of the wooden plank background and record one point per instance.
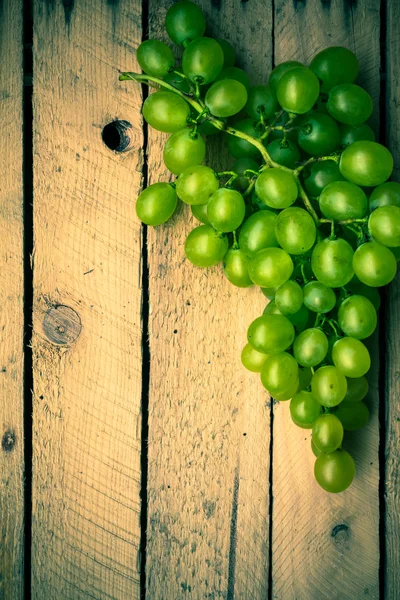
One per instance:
(229, 508)
(11, 304)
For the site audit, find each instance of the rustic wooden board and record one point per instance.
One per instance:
(11, 304)
(87, 297)
(208, 521)
(392, 328)
(326, 546)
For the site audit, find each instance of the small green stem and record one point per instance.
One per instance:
(314, 159)
(179, 74)
(333, 325)
(231, 180)
(345, 222)
(250, 171)
(317, 319)
(303, 274)
(223, 173)
(250, 188)
(235, 245)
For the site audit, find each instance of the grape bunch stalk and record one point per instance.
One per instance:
(305, 212)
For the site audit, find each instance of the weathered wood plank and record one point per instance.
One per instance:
(326, 546)
(392, 328)
(87, 323)
(11, 304)
(208, 418)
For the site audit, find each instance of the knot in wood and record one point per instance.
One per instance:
(118, 136)
(340, 533)
(62, 325)
(8, 440)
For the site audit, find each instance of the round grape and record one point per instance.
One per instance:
(289, 297)
(333, 66)
(204, 247)
(304, 409)
(253, 360)
(298, 90)
(185, 22)
(262, 101)
(351, 357)
(329, 386)
(318, 297)
(327, 433)
(310, 347)
(196, 185)
(355, 133)
(156, 204)
(202, 60)
(271, 334)
(276, 188)
(258, 232)
(319, 134)
(357, 317)
(284, 153)
(353, 415)
(366, 163)
(386, 194)
(295, 230)
(226, 98)
(279, 373)
(349, 104)
(270, 267)
(235, 268)
(199, 211)
(374, 264)
(342, 200)
(226, 210)
(280, 70)
(331, 262)
(155, 58)
(357, 389)
(165, 111)
(321, 175)
(335, 471)
(384, 225)
(182, 150)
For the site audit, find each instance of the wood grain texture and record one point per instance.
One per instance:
(11, 304)
(326, 546)
(87, 304)
(392, 328)
(208, 521)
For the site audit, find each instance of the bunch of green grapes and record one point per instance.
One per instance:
(305, 212)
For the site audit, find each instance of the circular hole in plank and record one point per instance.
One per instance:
(62, 325)
(118, 136)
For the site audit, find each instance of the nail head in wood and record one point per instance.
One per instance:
(118, 136)
(62, 325)
(8, 440)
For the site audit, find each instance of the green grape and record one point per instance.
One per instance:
(327, 433)
(284, 153)
(272, 309)
(226, 98)
(366, 163)
(321, 175)
(357, 389)
(276, 188)
(185, 22)
(199, 211)
(196, 185)
(178, 82)
(329, 386)
(207, 128)
(271, 334)
(386, 194)
(279, 373)
(253, 360)
(300, 319)
(331, 262)
(374, 264)
(310, 347)
(295, 230)
(288, 393)
(304, 409)
(355, 133)
(239, 148)
(384, 225)
(357, 317)
(342, 200)
(258, 232)
(280, 70)
(351, 357)
(289, 297)
(298, 90)
(204, 247)
(226, 210)
(202, 60)
(155, 58)
(235, 268)
(156, 204)
(319, 134)
(270, 267)
(240, 165)
(305, 376)
(356, 287)
(333, 66)
(318, 297)
(349, 104)
(268, 292)
(229, 52)
(183, 149)
(335, 471)
(236, 74)
(262, 102)
(353, 415)
(314, 448)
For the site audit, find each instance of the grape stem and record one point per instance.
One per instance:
(199, 106)
(345, 222)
